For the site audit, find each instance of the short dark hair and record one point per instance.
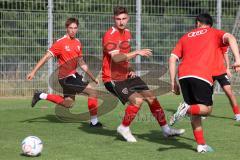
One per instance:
(70, 21)
(119, 10)
(204, 18)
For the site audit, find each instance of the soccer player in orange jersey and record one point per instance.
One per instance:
(222, 75)
(68, 51)
(120, 79)
(197, 51)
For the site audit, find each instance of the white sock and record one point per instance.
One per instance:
(43, 96)
(125, 128)
(166, 128)
(94, 120)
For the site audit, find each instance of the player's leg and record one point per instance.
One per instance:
(66, 101)
(192, 109)
(195, 93)
(199, 109)
(196, 112)
(225, 84)
(198, 97)
(232, 99)
(202, 147)
(57, 99)
(135, 102)
(92, 105)
(158, 112)
(125, 131)
(122, 90)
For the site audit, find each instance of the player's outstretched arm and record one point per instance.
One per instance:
(172, 72)
(85, 68)
(118, 57)
(231, 40)
(40, 63)
(226, 59)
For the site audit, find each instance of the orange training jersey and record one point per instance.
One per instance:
(114, 40)
(219, 65)
(67, 51)
(197, 50)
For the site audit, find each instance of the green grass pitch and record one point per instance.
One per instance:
(76, 141)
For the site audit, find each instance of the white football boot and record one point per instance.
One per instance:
(126, 133)
(173, 132)
(204, 148)
(180, 114)
(237, 117)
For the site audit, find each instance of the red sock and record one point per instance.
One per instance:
(198, 134)
(92, 106)
(158, 113)
(130, 113)
(194, 110)
(236, 110)
(55, 98)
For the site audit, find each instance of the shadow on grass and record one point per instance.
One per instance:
(238, 125)
(47, 119)
(100, 131)
(27, 156)
(215, 116)
(154, 137)
(172, 111)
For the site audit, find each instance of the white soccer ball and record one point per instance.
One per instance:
(32, 146)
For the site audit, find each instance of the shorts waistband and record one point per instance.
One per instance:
(71, 75)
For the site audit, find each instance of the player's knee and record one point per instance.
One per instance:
(150, 100)
(139, 101)
(230, 94)
(68, 102)
(93, 93)
(209, 111)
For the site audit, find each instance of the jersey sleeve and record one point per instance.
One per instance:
(220, 35)
(55, 49)
(109, 43)
(177, 51)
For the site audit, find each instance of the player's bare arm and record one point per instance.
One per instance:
(85, 68)
(118, 57)
(231, 40)
(172, 71)
(226, 59)
(132, 73)
(40, 63)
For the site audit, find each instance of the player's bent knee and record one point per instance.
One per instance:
(139, 101)
(209, 111)
(68, 102)
(150, 100)
(93, 93)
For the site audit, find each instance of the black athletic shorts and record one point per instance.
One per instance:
(222, 79)
(72, 85)
(124, 89)
(196, 91)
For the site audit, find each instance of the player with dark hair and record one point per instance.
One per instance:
(222, 75)
(68, 51)
(120, 79)
(197, 51)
